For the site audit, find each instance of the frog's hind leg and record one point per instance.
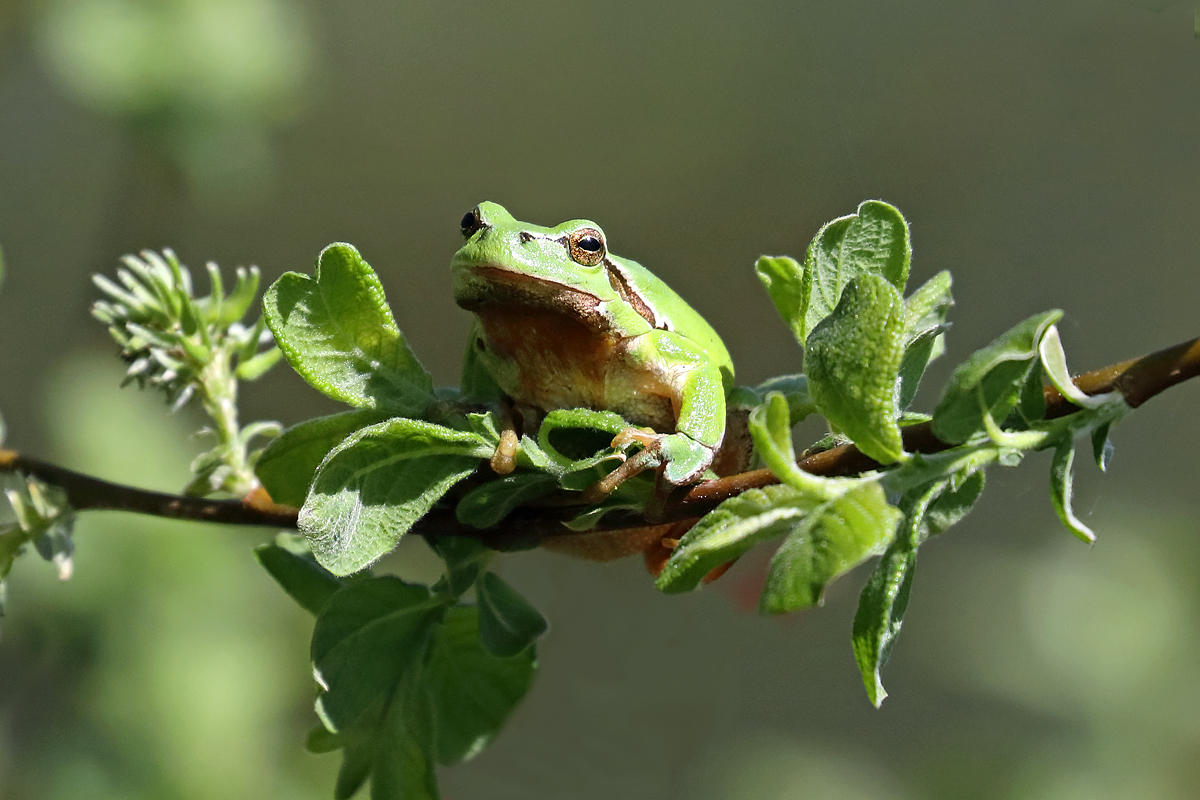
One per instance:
(639, 462)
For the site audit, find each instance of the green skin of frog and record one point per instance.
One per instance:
(563, 323)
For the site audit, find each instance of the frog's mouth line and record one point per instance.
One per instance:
(480, 288)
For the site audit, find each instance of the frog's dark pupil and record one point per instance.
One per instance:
(468, 221)
(589, 243)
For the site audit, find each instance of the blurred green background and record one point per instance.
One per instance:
(1048, 153)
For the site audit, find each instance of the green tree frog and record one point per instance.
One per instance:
(563, 323)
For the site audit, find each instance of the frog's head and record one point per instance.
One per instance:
(514, 264)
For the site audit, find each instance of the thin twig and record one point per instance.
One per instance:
(87, 493)
(1138, 380)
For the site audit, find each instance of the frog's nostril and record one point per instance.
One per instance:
(526, 237)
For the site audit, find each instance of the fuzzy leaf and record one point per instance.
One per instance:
(924, 327)
(794, 389)
(771, 429)
(306, 581)
(731, 529)
(568, 435)
(471, 692)
(1054, 359)
(952, 503)
(784, 280)
(872, 241)
(823, 277)
(853, 361)
(377, 482)
(1061, 480)
(508, 624)
(1102, 446)
(337, 332)
(367, 636)
(833, 538)
(884, 598)
(487, 504)
(465, 558)
(994, 375)
(287, 465)
(403, 768)
(257, 365)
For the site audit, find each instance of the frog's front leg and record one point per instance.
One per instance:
(677, 368)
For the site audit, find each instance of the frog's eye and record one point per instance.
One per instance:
(471, 222)
(587, 246)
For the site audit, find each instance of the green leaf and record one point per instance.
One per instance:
(731, 529)
(579, 475)
(872, 241)
(238, 302)
(403, 768)
(853, 361)
(531, 456)
(823, 258)
(1061, 480)
(928, 511)
(485, 505)
(508, 624)
(794, 389)
(337, 332)
(927, 307)
(321, 740)
(465, 559)
(917, 355)
(924, 327)
(357, 761)
(568, 435)
(589, 519)
(367, 636)
(1055, 361)
(287, 465)
(832, 539)
(953, 503)
(884, 598)
(306, 581)
(1102, 446)
(877, 243)
(771, 428)
(997, 374)
(471, 692)
(784, 280)
(391, 741)
(373, 486)
(392, 747)
(1032, 403)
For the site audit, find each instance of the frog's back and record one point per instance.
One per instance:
(679, 317)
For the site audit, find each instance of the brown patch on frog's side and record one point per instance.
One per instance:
(563, 361)
(559, 361)
(620, 284)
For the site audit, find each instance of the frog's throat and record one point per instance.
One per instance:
(479, 289)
